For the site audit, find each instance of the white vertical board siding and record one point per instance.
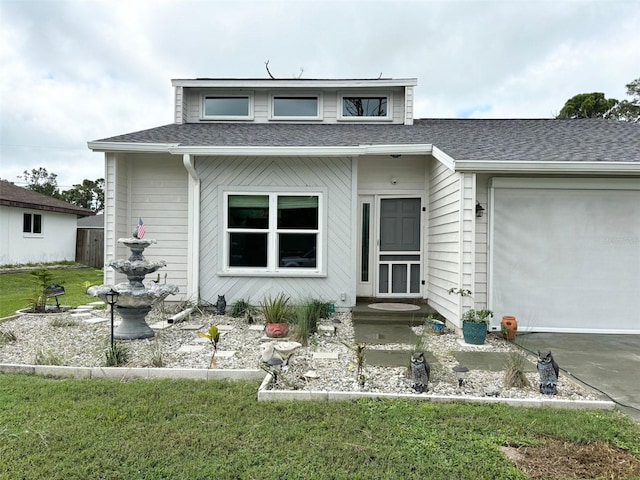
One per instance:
(153, 187)
(332, 174)
(444, 239)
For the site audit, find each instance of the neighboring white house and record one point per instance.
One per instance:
(331, 189)
(36, 228)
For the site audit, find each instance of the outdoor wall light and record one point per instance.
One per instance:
(461, 373)
(111, 297)
(394, 181)
(479, 210)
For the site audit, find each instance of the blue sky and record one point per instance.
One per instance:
(80, 70)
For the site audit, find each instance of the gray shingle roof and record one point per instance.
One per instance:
(14, 196)
(462, 139)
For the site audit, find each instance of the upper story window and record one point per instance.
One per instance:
(32, 223)
(229, 107)
(369, 107)
(296, 107)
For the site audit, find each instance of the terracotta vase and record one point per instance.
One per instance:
(276, 330)
(509, 327)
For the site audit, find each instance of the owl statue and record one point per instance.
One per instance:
(420, 372)
(221, 305)
(548, 371)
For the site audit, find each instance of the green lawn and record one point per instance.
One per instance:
(16, 289)
(183, 429)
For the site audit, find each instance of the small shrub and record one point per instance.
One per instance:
(64, 322)
(305, 322)
(514, 376)
(156, 354)
(117, 355)
(41, 279)
(359, 351)
(242, 308)
(7, 336)
(47, 357)
(323, 309)
(277, 310)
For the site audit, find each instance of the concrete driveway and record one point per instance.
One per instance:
(610, 363)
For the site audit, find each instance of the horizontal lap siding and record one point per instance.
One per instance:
(157, 192)
(333, 174)
(444, 242)
(482, 241)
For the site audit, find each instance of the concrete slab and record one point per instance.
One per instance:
(225, 328)
(190, 326)
(381, 334)
(93, 320)
(190, 348)
(490, 361)
(393, 358)
(325, 355)
(610, 363)
(256, 328)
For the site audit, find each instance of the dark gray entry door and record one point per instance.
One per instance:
(400, 247)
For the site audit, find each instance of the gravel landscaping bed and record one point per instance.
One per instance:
(71, 341)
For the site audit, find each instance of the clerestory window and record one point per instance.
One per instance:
(369, 107)
(296, 107)
(227, 107)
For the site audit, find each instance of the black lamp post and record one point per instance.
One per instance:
(112, 298)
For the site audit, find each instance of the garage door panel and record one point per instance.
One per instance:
(566, 259)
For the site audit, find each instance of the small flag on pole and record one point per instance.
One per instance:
(140, 228)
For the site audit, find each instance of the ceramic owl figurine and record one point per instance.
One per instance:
(420, 372)
(548, 371)
(221, 305)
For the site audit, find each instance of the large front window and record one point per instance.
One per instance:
(273, 232)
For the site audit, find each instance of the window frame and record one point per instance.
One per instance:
(273, 268)
(316, 95)
(346, 118)
(248, 95)
(32, 225)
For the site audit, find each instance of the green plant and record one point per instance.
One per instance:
(213, 335)
(64, 322)
(477, 316)
(156, 354)
(514, 373)
(47, 357)
(7, 336)
(277, 310)
(323, 308)
(41, 279)
(360, 360)
(117, 355)
(242, 308)
(306, 316)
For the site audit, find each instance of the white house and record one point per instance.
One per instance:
(36, 228)
(331, 189)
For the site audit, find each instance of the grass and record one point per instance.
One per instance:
(16, 288)
(161, 429)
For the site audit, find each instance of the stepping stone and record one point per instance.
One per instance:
(394, 358)
(257, 328)
(191, 326)
(190, 348)
(98, 303)
(225, 328)
(491, 361)
(378, 334)
(85, 307)
(330, 329)
(95, 320)
(160, 325)
(81, 315)
(225, 353)
(325, 355)
(462, 343)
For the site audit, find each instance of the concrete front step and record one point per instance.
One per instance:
(362, 313)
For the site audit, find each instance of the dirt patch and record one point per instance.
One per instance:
(555, 459)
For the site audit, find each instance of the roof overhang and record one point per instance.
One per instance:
(293, 83)
(515, 166)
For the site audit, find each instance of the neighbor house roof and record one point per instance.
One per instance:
(469, 140)
(14, 196)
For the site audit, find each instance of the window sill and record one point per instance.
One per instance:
(281, 274)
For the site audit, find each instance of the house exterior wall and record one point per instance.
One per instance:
(189, 103)
(447, 190)
(56, 243)
(154, 188)
(332, 175)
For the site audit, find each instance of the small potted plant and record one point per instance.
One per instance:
(277, 312)
(434, 326)
(474, 325)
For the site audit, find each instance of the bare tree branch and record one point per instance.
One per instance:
(266, 65)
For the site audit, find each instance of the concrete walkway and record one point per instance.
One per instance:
(609, 363)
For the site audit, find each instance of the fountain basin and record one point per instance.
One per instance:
(129, 297)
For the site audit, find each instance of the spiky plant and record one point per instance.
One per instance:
(514, 376)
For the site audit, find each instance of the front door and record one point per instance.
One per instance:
(399, 253)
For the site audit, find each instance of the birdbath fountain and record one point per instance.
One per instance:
(135, 298)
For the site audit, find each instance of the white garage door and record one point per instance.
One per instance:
(565, 254)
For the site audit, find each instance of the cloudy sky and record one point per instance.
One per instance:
(72, 71)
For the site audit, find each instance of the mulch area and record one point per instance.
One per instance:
(555, 459)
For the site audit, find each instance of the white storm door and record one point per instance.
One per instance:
(399, 256)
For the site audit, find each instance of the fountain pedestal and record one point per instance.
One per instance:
(135, 298)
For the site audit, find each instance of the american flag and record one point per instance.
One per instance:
(140, 228)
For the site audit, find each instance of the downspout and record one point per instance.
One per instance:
(193, 241)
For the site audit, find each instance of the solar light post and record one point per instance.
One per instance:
(112, 298)
(461, 374)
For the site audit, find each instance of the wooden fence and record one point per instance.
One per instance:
(90, 247)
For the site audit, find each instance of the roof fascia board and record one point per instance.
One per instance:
(443, 158)
(305, 151)
(130, 147)
(294, 83)
(547, 167)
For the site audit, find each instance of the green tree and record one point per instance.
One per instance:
(587, 105)
(41, 181)
(628, 110)
(89, 194)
